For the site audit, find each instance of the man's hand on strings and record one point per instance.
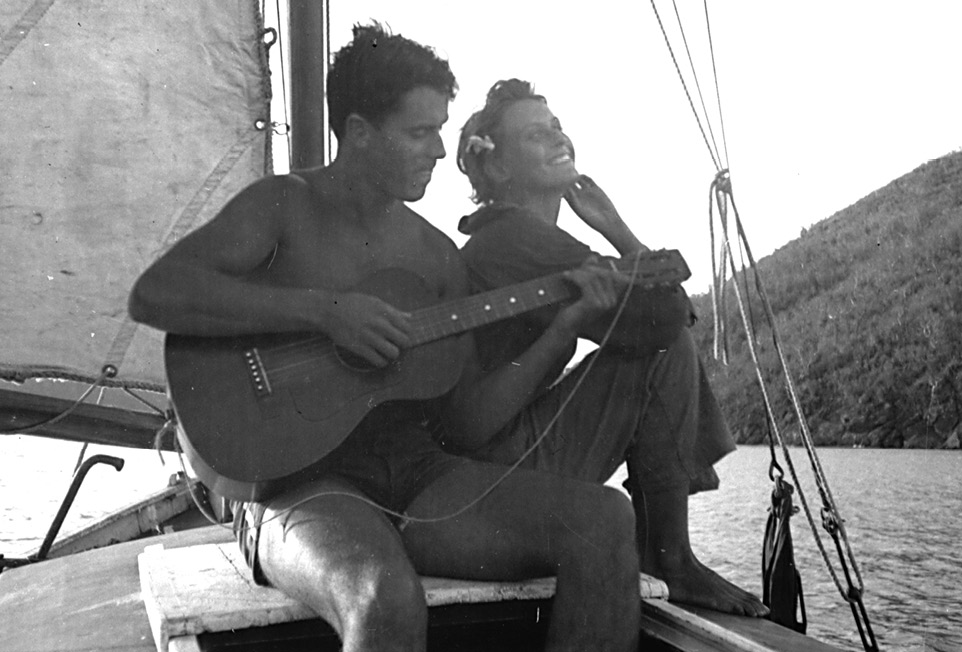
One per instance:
(369, 327)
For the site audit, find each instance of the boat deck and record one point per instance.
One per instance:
(196, 591)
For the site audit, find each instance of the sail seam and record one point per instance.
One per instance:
(183, 224)
(16, 34)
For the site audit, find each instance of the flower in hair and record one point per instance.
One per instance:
(478, 144)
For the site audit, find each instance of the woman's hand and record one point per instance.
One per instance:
(595, 208)
(592, 205)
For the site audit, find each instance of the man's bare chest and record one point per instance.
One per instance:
(346, 263)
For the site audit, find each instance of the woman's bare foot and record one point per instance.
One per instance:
(691, 582)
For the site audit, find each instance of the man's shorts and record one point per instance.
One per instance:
(390, 466)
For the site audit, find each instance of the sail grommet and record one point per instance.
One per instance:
(272, 33)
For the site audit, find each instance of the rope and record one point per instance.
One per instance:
(694, 75)
(685, 87)
(720, 195)
(831, 518)
(281, 48)
(109, 371)
(721, 116)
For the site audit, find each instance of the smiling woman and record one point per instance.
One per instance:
(526, 152)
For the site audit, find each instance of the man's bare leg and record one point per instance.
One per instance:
(535, 525)
(345, 560)
(665, 551)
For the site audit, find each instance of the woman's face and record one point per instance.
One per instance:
(535, 153)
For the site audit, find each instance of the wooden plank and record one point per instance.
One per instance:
(85, 423)
(698, 633)
(696, 629)
(208, 588)
(184, 644)
(763, 631)
(192, 590)
(126, 524)
(84, 602)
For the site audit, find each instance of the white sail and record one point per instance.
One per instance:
(124, 125)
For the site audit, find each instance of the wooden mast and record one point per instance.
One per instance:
(308, 27)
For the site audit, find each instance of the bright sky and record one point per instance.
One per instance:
(823, 101)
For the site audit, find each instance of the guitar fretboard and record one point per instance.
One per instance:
(435, 322)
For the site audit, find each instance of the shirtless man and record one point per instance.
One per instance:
(284, 256)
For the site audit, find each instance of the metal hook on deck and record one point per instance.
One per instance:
(78, 478)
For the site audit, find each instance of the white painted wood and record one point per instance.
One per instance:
(209, 588)
(707, 630)
(184, 644)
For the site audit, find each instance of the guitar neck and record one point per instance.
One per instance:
(435, 322)
(452, 318)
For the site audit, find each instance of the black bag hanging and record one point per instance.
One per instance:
(781, 582)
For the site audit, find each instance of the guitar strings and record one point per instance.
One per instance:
(405, 519)
(429, 320)
(434, 323)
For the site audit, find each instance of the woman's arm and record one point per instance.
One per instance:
(590, 203)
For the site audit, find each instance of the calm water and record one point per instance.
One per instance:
(903, 512)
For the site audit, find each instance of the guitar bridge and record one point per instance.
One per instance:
(256, 373)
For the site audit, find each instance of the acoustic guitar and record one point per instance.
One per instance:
(253, 411)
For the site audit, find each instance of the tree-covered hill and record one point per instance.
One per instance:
(868, 309)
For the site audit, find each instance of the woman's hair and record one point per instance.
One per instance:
(371, 74)
(484, 124)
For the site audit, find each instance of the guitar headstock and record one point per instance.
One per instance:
(664, 267)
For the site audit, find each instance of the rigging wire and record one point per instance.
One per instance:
(714, 68)
(701, 97)
(831, 519)
(720, 196)
(684, 86)
(281, 48)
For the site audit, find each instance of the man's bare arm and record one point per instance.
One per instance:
(213, 282)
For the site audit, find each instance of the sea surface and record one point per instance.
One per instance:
(902, 511)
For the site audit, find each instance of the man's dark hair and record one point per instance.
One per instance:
(370, 74)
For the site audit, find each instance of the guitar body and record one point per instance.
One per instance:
(253, 411)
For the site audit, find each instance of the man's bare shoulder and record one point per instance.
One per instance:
(279, 189)
(272, 198)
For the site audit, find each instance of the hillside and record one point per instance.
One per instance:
(868, 307)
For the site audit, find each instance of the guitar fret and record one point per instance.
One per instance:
(481, 309)
(435, 322)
